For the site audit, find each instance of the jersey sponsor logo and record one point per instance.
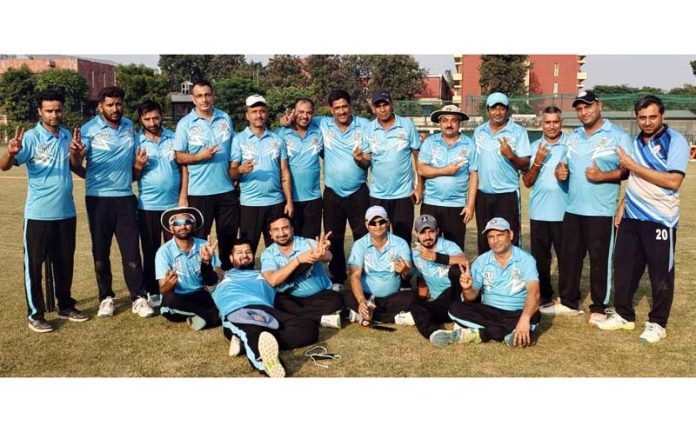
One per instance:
(44, 155)
(516, 284)
(315, 145)
(293, 146)
(488, 279)
(273, 150)
(248, 151)
(370, 263)
(101, 141)
(603, 148)
(195, 136)
(222, 132)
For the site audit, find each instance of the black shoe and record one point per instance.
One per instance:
(73, 315)
(40, 325)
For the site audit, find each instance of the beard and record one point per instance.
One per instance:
(248, 266)
(183, 235)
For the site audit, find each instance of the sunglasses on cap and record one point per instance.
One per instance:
(378, 222)
(181, 222)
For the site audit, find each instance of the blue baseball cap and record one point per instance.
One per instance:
(497, 98)
(498, 224)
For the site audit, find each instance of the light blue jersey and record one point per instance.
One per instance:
(193, 134)
(241, 288)
(666, 152)
(311, 282)
(303, 160)
(391, 167)
(110, 157)
(436, 275)
(496, 174)
(187, 265)
(549, 197)
(160, 179)
(586, 198)
(378, 274)
(50, 185)
(448, 191)
(262, 186)
(504, 288)
(341, 173)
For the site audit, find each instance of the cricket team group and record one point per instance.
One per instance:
(261, 182)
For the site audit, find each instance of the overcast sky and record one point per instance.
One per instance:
(662, 71)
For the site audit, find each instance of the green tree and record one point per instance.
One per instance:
(180, 68)
(17, 95)
(504, 73)
(225, 66)
(693, 67)
(74, 87)
(140, 82)
(230, 96)
(325, 75)
(400, 75)
(285, 71)
(281, 98)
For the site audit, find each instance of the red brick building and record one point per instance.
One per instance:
(553, 75)
(436, 88)
(98, 74)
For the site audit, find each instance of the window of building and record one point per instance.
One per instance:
(555, 88)
(556, 69)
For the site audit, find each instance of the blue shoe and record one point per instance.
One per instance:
(442, 338)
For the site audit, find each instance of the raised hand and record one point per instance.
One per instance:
(140, 158)
(208, 250)
(505, 148)
(594, 174)
(541, 154)
(562, 171)
(400, 266)
(465, 279)
(324, 240)
(247, 166)
(15, 144)
(625, 160)
(76, 146)
(288, 117)
(171, 278)
(209, 152)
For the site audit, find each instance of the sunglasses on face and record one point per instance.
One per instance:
(182, 222)
(377, 222)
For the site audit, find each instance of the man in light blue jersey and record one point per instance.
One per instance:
(162, 184)
(437, 262)
(346, 195)
(293, 265)
(49, 212)
(503, 150)
(447, 162)
(110, 147)
(305, 146)
(390, 142)
(594, 179)
(203, 143)
(377, 263)
(250, 322)
(507, 282)
(549, 196)
(185, 265)
(259, 161)
(648, 219)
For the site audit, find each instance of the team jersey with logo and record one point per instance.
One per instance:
(262, 186)
(50, 186)
(110, 157)
(436, 275)
(378, 274)
(504, 288)
(391, 166)
(303, 160)
(341, 173)
(496, 174)
(241, 288)
(586, 198)
(193, 134)
(549, 197)
(666, 152)
(160, 178)
(448, 191)
(187, 265)
(310, 282)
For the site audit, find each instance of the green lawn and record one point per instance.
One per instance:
(128, 346)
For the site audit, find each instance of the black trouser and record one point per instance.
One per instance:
(293, 332)
(496, 323)
(543, 235)
(386, 307)
(254, 223)
(151, 233)
(400, 212)
(109, 216)
(430, 315)
(336, 211)
(449, 220)
(582, 234)
(639, 243)
(178, 307)
(505, 205)
(306, 222)
(324, 302)
(54, 239)
(224, 209)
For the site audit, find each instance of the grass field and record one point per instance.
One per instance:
(128, 346)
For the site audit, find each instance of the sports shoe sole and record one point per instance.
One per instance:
(38, 330)
(197, 323)
(73, 319)
(235, 346)
(443, 338)
(332, 321)
(268, 349)
(145, 315)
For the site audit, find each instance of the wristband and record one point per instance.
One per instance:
(536, 164)
(442, 258)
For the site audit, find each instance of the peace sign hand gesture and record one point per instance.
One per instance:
(76, 146)
(15, 144)
(140, 158)
(207, 251)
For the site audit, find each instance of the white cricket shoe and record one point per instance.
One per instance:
(106, 308)
(141, 308)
